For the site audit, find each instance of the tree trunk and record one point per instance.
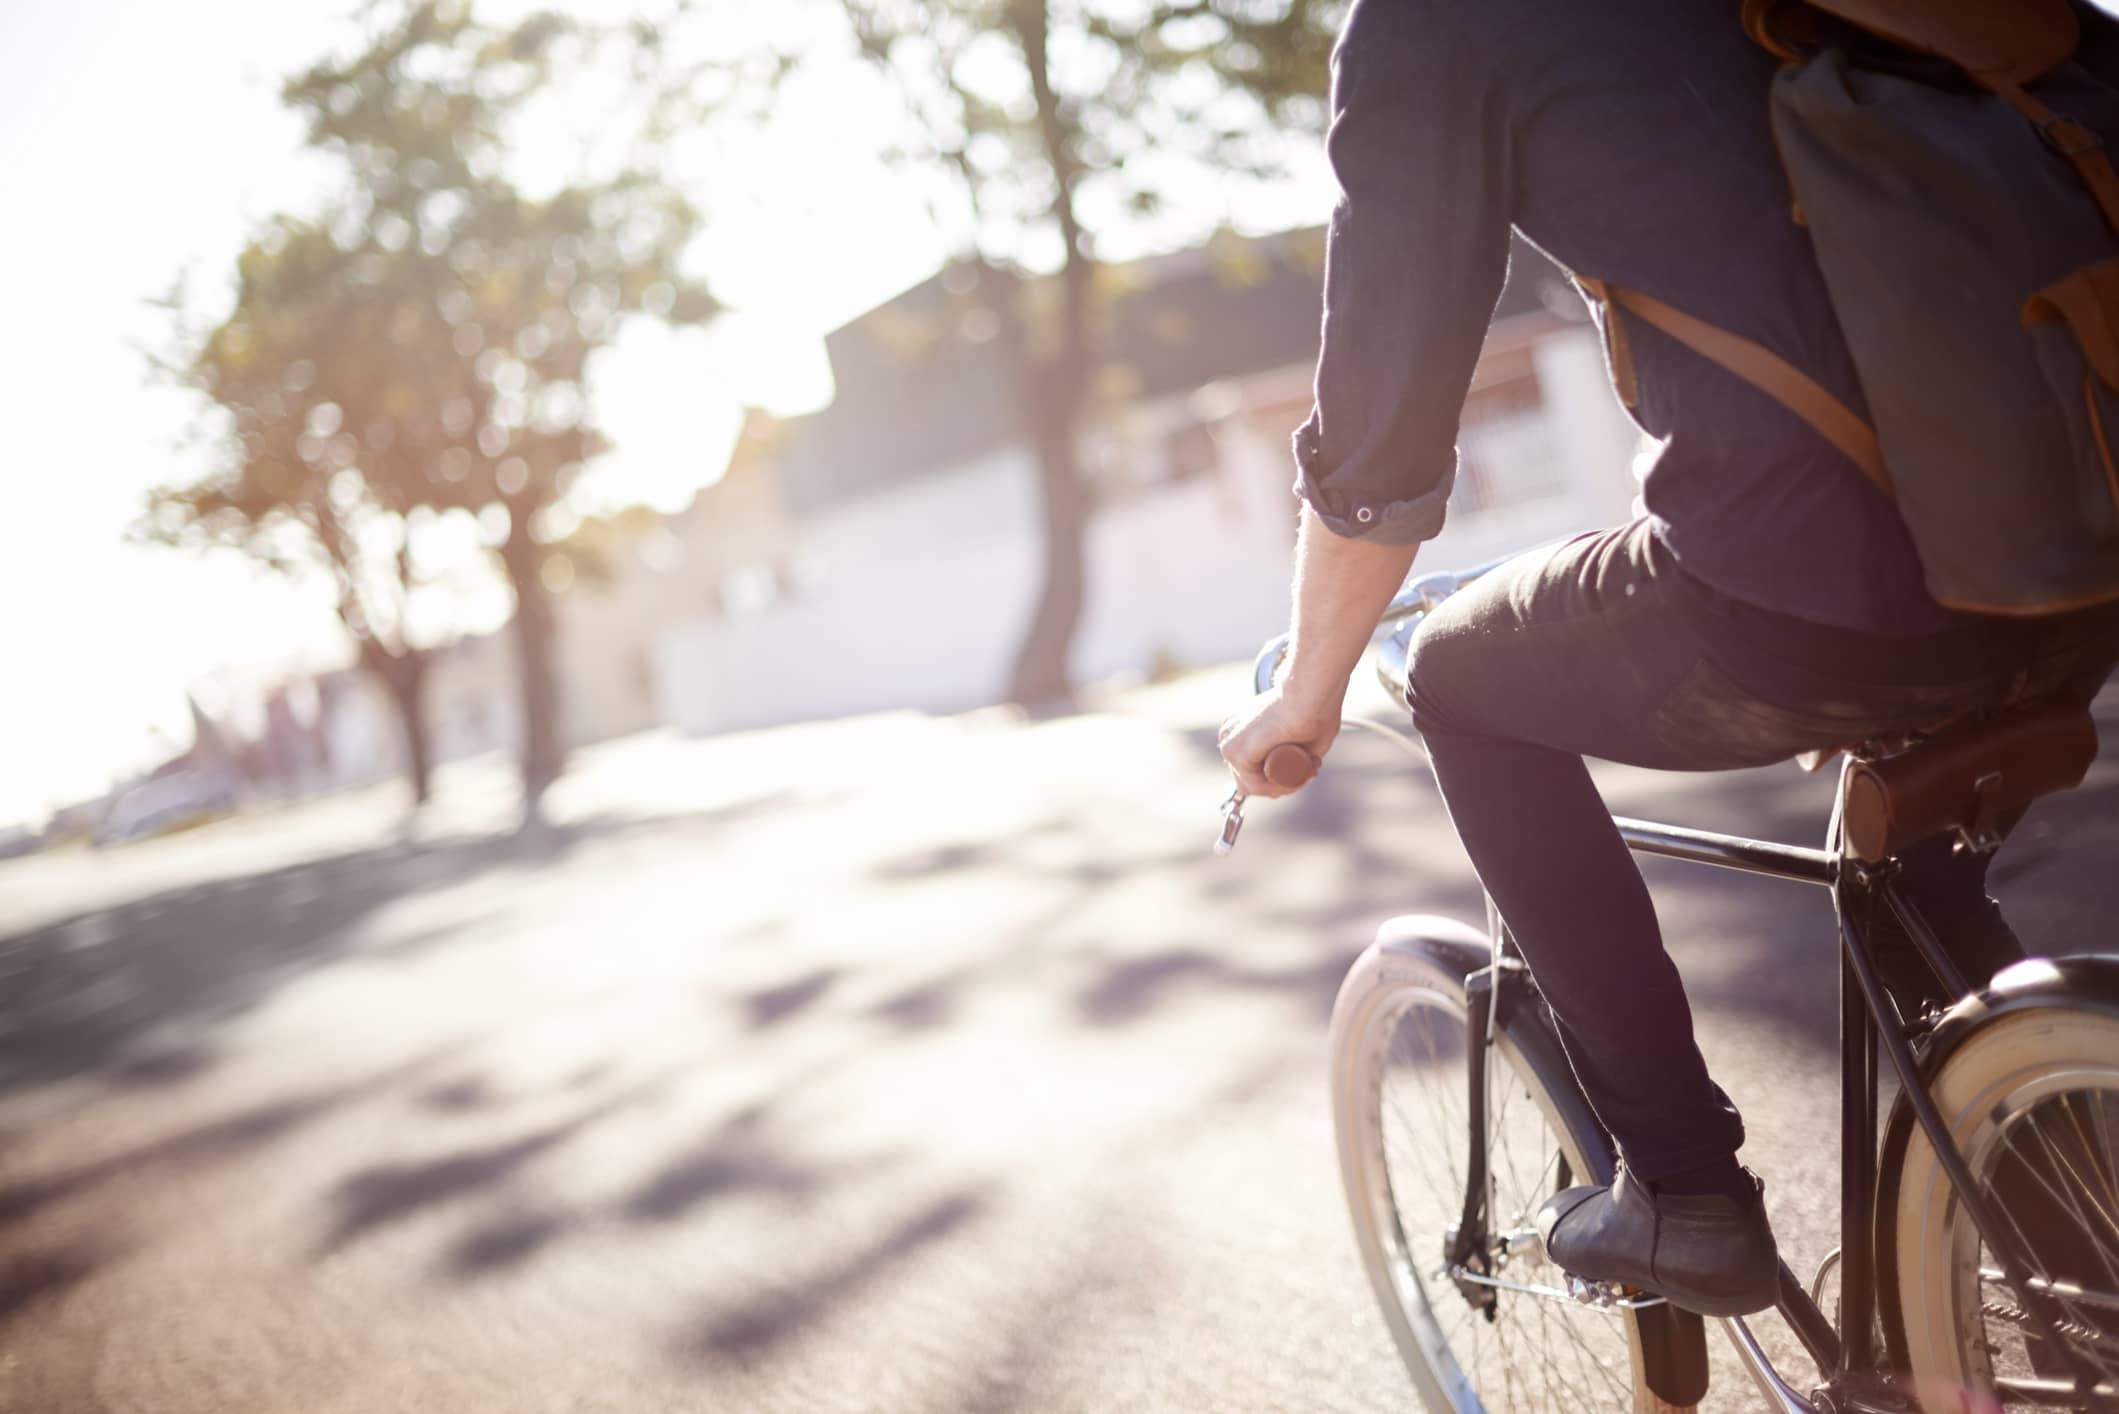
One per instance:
(543, 756)
(1052, 393)
(404, 677)
(1041, 674)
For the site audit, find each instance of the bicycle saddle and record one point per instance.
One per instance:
(1964, 779)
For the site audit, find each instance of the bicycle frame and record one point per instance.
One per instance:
(1847, 1356)
(1855, 1373)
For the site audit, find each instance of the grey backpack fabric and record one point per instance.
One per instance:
(1977, 281)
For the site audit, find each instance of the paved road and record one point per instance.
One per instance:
(906, 1064)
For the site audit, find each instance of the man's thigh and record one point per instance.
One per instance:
(1567, 648)
(1603, 647)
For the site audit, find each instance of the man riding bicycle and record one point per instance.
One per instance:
(1770, 602)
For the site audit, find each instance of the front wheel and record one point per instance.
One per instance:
(2032, 1101)
(1400, 1104)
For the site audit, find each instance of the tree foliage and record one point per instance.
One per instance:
(423, 344)
(1058, 123)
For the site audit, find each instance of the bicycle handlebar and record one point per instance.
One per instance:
(1289, 766)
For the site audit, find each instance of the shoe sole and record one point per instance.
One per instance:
(1750, 1304)
(1745, 1304)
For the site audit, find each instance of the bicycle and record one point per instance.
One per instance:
(1946, 1303)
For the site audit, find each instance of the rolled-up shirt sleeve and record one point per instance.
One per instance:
(1415, 261)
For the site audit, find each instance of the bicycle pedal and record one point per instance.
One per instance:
(1609, 1295)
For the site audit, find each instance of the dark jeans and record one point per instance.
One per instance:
(1605, 648)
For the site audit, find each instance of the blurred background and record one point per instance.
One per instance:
(614, 620)
(516, 380)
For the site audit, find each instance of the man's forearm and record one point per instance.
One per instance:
(1342, 587)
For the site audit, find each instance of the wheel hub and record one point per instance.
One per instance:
(1479, 1262)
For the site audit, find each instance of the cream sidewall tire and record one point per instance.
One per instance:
(2002, 1067)
(1382, 984)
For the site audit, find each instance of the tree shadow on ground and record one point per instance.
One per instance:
(1128, 989)
(735, 1158)
(219, 1139)
(461, 1095)
(1313, 933)
(740, 1157)
(136, 991)
(390, 1193)
(769, 1006)
(385, 1194)
(504, 1243)
(762, 1323)
(927, 1005)
(29, 1278)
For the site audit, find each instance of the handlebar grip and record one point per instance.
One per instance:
(1289, 766)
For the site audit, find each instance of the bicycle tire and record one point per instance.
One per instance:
(1419, 964)
(2049, 1076)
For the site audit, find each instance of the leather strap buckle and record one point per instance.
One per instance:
(2067, 137)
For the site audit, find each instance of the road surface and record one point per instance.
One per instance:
(905, 1064)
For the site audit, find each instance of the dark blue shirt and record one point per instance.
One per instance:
(1630, 140)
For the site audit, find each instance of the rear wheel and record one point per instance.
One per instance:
(2032, 1101)
(1400, 1105)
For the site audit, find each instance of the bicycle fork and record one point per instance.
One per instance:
(1468, 1246)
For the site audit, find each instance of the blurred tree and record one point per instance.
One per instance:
(1056, 121)
(301, 372)
(423, 346)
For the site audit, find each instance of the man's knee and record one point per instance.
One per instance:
(1429, 673)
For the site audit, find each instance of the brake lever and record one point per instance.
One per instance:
(1288, 766)
(1231, 822)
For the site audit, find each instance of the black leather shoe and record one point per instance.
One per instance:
(1703, 1252)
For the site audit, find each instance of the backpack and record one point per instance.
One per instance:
(1945, 157)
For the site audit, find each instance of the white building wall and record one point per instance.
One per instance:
(918, 596)
(363, 738)
(474, 697)
(913, 598)
(1591, 437)
(1195, 572)
(1598, 436)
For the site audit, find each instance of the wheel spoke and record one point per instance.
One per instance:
(2047, 1161)
(1537, 1353)
(2059, 1194)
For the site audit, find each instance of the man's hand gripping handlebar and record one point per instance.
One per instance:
(1290, 764)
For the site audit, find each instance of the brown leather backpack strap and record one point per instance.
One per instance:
(2004, 44)
(1617, 352)
(1995, 41)
(1768, 22)
(2074, 142)
(1763, 369)
(2088, 301)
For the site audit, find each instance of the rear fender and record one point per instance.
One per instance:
(2089, 982)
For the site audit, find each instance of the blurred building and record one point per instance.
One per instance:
(357, 730)
(886, 551)
(472, 704)
(730, 551)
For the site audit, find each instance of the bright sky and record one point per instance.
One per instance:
(144, 140)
